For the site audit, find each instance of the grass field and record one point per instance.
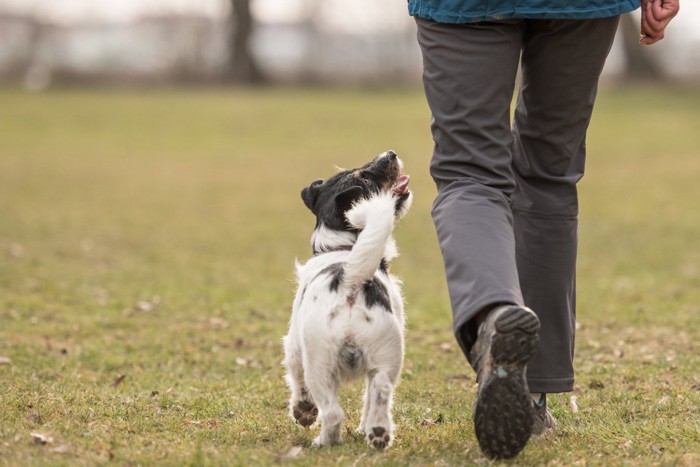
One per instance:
(147, 243)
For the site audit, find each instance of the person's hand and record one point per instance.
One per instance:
(656, 14)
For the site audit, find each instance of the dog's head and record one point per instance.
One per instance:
(329, 200)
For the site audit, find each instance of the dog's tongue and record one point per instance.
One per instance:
(401, 185)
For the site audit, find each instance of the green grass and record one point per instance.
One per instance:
(147, 243)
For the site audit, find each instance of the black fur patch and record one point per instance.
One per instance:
(336, 272)
(327, 249)
(376, 294)
(330, 199)
(384, 266)
(350, 355)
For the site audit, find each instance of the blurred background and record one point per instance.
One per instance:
(48, 42)
(151, 158)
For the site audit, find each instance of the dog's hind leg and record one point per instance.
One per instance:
(325, 393)
(301, 407)
(365, 409)
(378, 424)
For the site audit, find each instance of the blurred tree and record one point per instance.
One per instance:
(242, 66)
(640, 64)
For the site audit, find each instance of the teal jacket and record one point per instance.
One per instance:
(471, 11)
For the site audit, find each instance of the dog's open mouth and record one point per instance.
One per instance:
(401, 185)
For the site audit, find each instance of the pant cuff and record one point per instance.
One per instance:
(550, 385)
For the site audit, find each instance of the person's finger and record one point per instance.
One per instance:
(648, 35)
(648, 40)
(656, 15)
(644, 27)
(650, 23)
(663, 10)
(648, 29)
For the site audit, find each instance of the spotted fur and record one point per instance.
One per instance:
(347, 319)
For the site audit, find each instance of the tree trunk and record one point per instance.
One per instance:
(242, 67)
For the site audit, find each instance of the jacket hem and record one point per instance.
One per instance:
(455, 17)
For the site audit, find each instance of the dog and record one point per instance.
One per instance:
(347, 319)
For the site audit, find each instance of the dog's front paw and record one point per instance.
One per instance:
(305, 413)
(379, 438)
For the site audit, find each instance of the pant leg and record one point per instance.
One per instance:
(561, 63)
(469, 78)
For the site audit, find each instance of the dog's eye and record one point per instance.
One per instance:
(368, 184)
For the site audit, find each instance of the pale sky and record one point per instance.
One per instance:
(339, 15)
(115, 10)
(124, 10)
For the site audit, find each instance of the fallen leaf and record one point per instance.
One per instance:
(118, 380)
(431, 422)
(41, 438)
(257, 314)
(5, 360)
(572, 404)
(217, 323)
(594, 344)
(16, 250)
(292, 453)
(595, 384)
(648, 359)
(63, 448)
(626, 445)
(145, 306)
(242, 361)
(461, 376)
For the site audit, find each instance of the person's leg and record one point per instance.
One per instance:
(561, 63)
(469, 78)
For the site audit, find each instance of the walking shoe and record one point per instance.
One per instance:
(503, 412)
(543, 423)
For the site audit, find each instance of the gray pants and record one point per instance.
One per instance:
(506, 213)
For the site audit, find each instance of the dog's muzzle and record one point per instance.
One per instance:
(395, 165)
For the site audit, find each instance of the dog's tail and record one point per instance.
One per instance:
(375, 217)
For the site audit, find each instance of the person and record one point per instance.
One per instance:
(506, 211)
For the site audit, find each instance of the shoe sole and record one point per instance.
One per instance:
(503, 415)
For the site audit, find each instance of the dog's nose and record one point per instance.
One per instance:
(390, 154)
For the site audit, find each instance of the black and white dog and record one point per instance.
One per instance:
(347, 319)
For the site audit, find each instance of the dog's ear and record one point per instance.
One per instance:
(310, 193)
(344, 199)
